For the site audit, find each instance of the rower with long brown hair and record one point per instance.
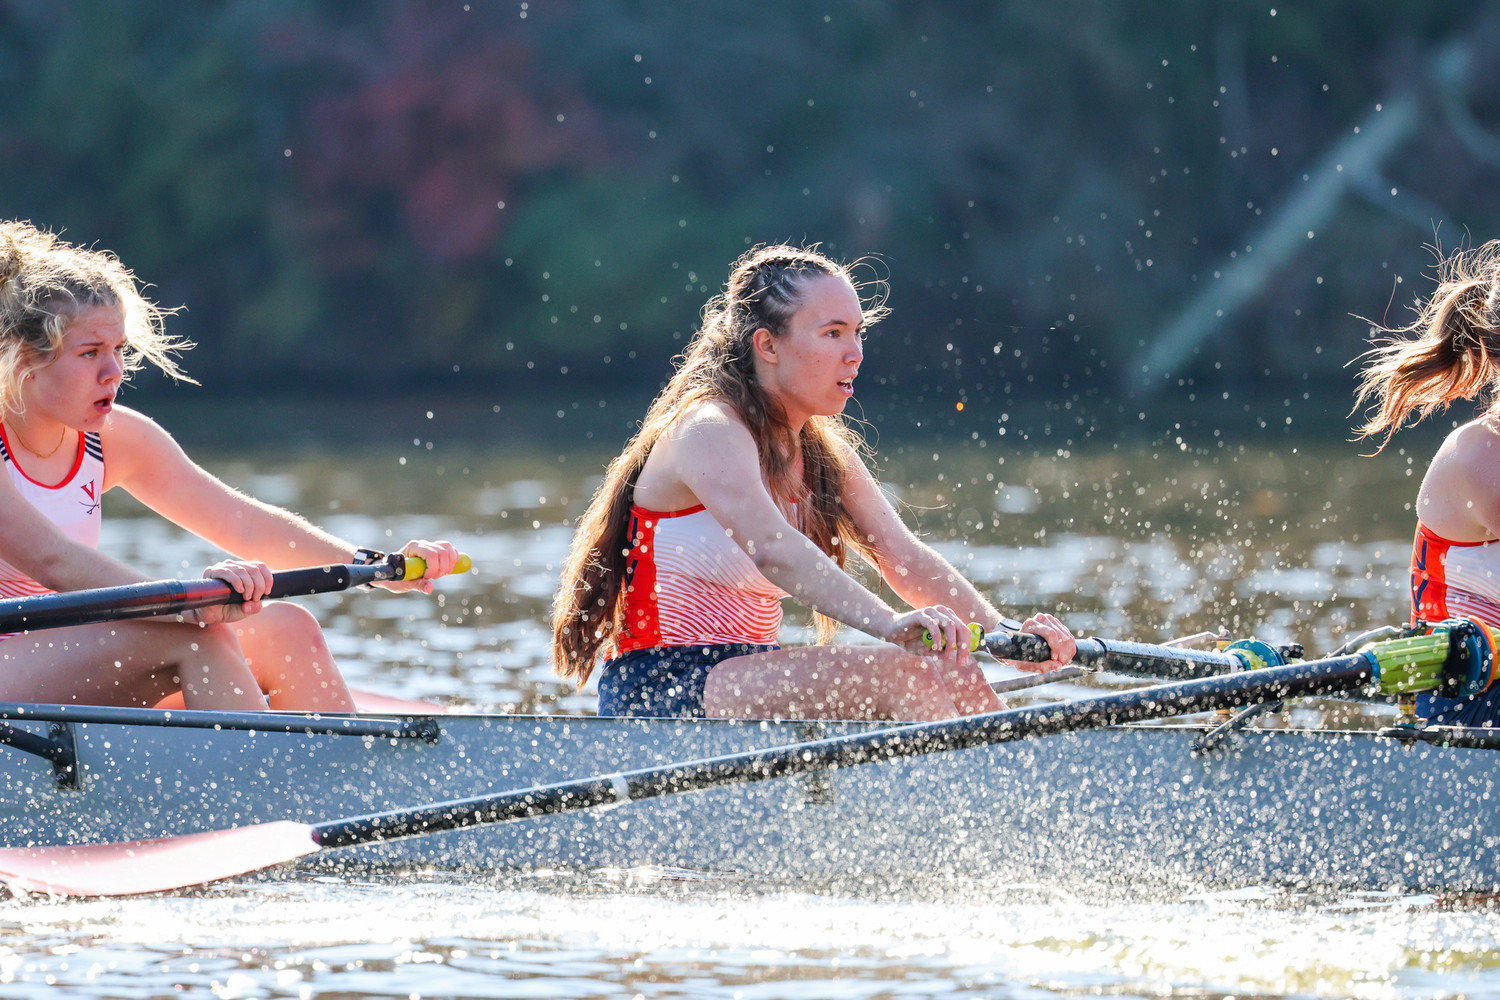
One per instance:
(1449, 353)
(743, 486)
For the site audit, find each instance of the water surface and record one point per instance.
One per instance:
(1291, 544)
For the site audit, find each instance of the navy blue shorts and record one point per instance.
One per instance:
(1482, 709)
(664, 682)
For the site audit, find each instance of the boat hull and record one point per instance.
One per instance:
(1106, 810)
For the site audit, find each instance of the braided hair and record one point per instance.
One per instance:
(764, 290)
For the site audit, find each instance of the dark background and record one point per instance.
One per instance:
(1093, 214)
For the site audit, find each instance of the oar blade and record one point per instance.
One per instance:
(144, 866)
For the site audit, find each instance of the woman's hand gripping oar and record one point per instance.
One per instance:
(1138, 658)
(170, 597)
(1037, 650)
(1432, 662)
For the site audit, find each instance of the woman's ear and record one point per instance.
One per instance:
(764, 343)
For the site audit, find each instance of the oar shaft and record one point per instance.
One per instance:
(1171, 662)
(1037, 680)
(168, 597)
(1294, 680)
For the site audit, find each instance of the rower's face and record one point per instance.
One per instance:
(78, 387)
(811, 367)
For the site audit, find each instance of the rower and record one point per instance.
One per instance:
(1450, 352)
(73, 325)
(745, 486)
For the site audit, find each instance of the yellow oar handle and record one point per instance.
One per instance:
(976, 636)
(416, 566)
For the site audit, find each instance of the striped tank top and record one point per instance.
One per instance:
(72, 504)
(687, 583)
(1454, 579)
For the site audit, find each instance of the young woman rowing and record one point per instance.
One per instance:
(745, 486)
(1450, 352)
(73, 322)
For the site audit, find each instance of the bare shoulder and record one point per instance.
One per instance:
(710, 417)
(1472, 449)
(133, 442)
(130, 429)
(125, 422)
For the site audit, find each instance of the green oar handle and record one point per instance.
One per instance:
(416, 566)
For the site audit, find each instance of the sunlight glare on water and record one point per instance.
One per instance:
(561, 937)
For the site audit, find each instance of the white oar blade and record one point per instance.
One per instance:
(142, 866)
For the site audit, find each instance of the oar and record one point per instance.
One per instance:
(170, 597)
(177, 862)
(1173, 662)
(1037, 680)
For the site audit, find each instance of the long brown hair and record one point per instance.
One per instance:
(45, 282)
(763, 291)
(1450, 351)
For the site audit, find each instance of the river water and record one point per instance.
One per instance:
(1281, 540)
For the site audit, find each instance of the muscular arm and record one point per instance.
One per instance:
(910, 567)
(143, 459)
(714, 456)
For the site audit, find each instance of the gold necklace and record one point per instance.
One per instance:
(22, 442)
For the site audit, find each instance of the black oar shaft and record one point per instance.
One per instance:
(167, 597)
(1126, 657)
(1295, 680)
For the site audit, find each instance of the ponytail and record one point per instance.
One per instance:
(1450, 351)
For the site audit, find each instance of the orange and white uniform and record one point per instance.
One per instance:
(692, 598)
(687, 583)
(72, 504)
(1454, 579)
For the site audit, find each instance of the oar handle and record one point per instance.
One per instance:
(170, 597)
(416, 566)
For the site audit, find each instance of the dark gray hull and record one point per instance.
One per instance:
(1105, 810)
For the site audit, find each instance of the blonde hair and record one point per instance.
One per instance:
(764, 290)
(45, 282)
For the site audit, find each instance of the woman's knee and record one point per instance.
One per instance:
(288, 622)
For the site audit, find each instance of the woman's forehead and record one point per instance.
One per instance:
(99, 322)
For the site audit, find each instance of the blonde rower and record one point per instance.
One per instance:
(73, 323)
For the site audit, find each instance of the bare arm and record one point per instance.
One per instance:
(909, 566)
(146, 461)
(919, 575)
(714, 456)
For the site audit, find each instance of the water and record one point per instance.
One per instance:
(1293, 544)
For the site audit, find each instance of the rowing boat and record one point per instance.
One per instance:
(1103, 810)
(1081, 794)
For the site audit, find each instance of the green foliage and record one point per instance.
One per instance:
(396, 187)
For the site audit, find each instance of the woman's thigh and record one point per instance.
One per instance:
(837, 682)
(108, 663)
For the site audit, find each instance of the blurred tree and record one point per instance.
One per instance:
(382, 191)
